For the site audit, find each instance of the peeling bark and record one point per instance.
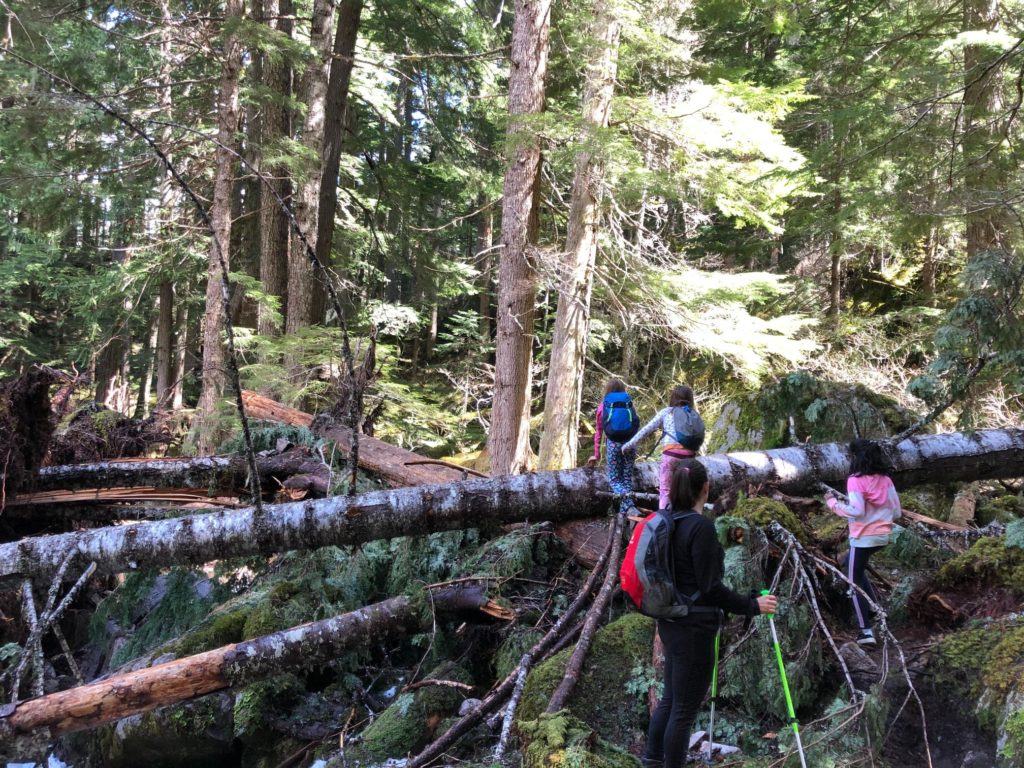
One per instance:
(565, 495)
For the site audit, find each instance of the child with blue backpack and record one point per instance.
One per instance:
(682, 434)
(617, 422)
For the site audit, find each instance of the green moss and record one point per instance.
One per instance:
(1013, 728)
(104, 421)
(1004, 669)
(960, 659)
(409, 722)
(603, 698)
(762, 512)
(1001, 509)
(255, 702)
(512, 648)
(562, 741)
(989, 563)
(222, 629)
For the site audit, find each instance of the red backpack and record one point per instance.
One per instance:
(647, 573)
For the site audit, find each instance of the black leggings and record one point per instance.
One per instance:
(689, 660)
(857, 572)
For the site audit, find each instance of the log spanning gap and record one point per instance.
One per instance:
(557, 496)
(43, 719)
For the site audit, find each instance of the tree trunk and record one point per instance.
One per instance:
(181, 351)
(337, 103)
(220, 215)
(231, 666)
(165, 368)
(148, 368)
(509, 440)
(307, 189)
(560, 440)
(484, 246)
(984, 174)
(274, 230)
(564, 495)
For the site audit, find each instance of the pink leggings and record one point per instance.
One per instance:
(668, 463)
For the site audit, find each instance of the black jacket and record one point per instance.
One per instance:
(699, 562)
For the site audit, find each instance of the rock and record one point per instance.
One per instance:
(975, 759)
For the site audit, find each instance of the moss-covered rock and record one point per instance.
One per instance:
(562, 741)
(512, 648)
(823, 411)
(988, 563)
(411, 720)
(603, 697)
(1000, 509)
(761, 511)
(982, 667)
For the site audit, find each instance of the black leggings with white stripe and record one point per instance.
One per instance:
(857, 572)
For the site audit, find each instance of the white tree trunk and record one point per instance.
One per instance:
(565, 495)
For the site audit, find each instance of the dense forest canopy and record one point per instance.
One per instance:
(383, 257)
(772, 186)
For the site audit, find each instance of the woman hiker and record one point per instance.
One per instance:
(690, 642)
(872, 508)
(682, 434)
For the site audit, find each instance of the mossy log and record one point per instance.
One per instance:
(565, 495)
(119, 696)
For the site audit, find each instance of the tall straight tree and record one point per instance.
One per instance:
(342, 64)
(274, 237)
(307, 189)
(560, 439)
(220, 217)
(508, 442)
(985, 176)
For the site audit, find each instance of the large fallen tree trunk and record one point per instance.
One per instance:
(565, 495)
(113, 698)
(221, 472)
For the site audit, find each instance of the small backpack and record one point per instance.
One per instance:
(647, 573)
(688, 428)
(619, 419)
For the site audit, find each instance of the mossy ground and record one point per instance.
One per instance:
(603, 697)
(561, 741)
(988, 563)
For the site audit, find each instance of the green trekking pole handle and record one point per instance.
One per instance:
(785, 687)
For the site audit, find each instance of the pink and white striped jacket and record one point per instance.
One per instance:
(874, 504)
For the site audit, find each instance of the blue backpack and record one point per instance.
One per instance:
(619, 419)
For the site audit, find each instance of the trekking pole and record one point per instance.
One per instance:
(714, 695)
(785, 687)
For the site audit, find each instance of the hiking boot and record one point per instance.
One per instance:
(652, 762)
(866, 639)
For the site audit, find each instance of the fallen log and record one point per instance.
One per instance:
(564, 495)
(118, 696)
(203, 472)
(396, 466)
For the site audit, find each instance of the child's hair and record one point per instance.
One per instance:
(688, 478)
(868, 458)
(614, 384)
(681, 395)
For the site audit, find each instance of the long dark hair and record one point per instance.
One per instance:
(681, 395)
(868, 458)
(614, 384)
(688, 478)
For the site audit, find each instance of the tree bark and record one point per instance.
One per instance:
(234, 665)
(560, 439)
(984, 174)
(564, 495)
(220, 215)
(307, 190)
(165, 347)
(274, 231)
(342, 65)
(484, 245)
(509, 439)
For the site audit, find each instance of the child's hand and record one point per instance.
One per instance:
(592, 461)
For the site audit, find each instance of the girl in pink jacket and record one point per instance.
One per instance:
(873, 505)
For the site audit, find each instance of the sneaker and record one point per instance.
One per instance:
(866, 639)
